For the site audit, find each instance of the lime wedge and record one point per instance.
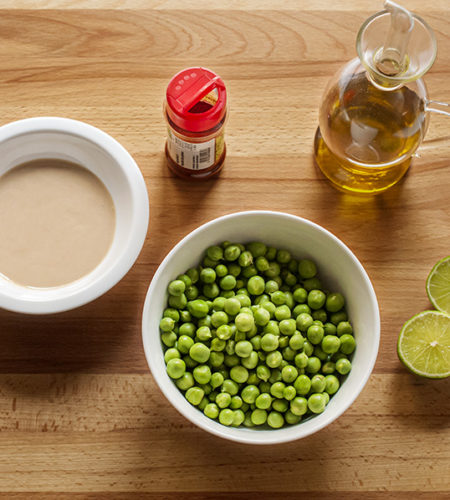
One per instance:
(438, 285)
(424, 344)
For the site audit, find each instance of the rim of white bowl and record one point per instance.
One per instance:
(253, 436)
(138, 223)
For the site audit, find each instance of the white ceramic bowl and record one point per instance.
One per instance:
(71, 140)
(338, 268)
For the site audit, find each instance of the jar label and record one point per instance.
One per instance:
(190, 155)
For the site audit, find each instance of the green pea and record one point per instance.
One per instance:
(219, 318)
(215, 253)
(277, 390)
(224, 332)
(232, 253)
(289, 373)
(335, 302)
(234, 269)
(244, 321)
(226, 415)
(263, 401)
(274, 359)
(348, 343)
(316, 299)
(328, 367)
(185, 382)
(231, 359)
(263, 372)
(315, 334)
(232, 306)
(300, 295)
(273, 271)
(316, 403)
(187, 329)
(307, 269)
(308, 348)
(244, 300)
(176, 288)
(299, 406)
(166, 324)
(185, 316)
(337, 317)
(331, 344)
(287, 326)
(239, 374)
(318, 383)
(278, 298)
(231, 387)
(275, 375)
(296, 341)
(207, 275)
(256, 285)
(184, 343)
(329, 329)
(250, 361)
(262, 264)
(216, 380)
(211, 290)
(302, 385)
(218, 344)
(280, 405)
(228, 282)
(171, 353)
(289, 392)
(313, 365)
(275, 420)
(332, 384)
(198, 308)
(256, 248)
(172, 313)
(343, 366)
(238, 418)
(177, 301)
(269, 342)
(320, 315)
(202, 374)
(194, 395)
(223, 400)
(312, 284)
(291, 419)
(169, 338)
(344, 328)
(211, 410)
(216, 359)
(245, 259)
(193, 274)
(250, 393)
(236, 403)
(301, 308)
(304, 321)
(283, 256)
(199, 352)
(301, 360)
(282, 312)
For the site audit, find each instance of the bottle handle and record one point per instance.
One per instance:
(441, 108)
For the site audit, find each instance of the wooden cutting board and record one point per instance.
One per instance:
(80, 414)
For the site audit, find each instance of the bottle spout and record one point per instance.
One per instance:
(395, 46)
(392, 58)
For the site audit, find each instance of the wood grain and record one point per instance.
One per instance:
(80, 415)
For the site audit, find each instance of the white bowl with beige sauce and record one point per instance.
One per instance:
(73, 214)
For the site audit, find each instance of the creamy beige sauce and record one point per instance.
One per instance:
(57, 222)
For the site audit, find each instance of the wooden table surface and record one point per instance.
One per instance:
(80, 415)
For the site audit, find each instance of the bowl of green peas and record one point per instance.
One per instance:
(261, 327)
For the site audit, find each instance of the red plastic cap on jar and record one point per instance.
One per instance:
(186, 89)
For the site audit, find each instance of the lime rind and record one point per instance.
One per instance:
(438, 285)
(424, 344)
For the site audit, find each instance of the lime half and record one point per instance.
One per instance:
(438, 285)
(424, 344)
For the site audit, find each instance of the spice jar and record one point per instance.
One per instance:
(195, 110)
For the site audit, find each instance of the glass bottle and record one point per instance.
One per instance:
(374, 113)
(196, 110)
